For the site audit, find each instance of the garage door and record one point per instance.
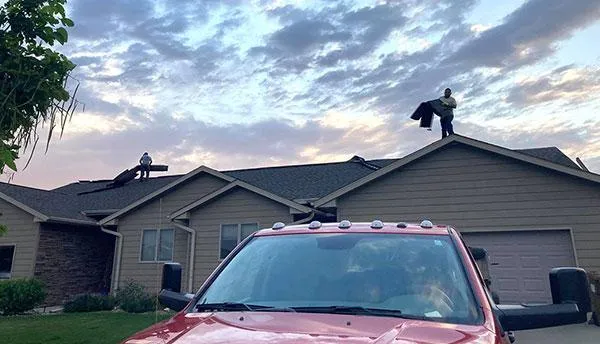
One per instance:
(520, 261)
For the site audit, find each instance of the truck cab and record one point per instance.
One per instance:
(355, 283)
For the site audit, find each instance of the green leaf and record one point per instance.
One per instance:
(61, 35)
(7, 157)
(68, 22)
(47, 35)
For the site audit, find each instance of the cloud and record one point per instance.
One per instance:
(96, 20)
(302, 36)
(527, 35)
(161, 33)
(371, 25)
(568, 85)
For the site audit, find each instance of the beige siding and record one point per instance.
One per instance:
(22, 232)
(237, 206)
(476, 190)
(154, 215)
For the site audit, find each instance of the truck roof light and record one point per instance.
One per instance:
(426, 224)
(278, 226)
(377, 224)
(402, 225)
(314, 225)
(345, 224)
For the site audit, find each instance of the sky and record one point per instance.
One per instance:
(251, 83)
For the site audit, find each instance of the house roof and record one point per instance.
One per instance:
(303, 181)
(527, 157)
(298, 183)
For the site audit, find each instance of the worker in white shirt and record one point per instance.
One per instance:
(447, 116)
(145, 162)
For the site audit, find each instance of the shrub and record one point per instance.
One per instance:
(90, 303)
(20, 295)
(134, 299)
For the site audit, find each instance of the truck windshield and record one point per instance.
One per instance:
(415, 276)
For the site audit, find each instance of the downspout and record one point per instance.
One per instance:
(117, 271)
(192, 253)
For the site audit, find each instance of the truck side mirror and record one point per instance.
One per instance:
(171, 277)
(571, 304)
(478, 253)
(570, 285)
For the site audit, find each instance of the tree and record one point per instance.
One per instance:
(33, 77)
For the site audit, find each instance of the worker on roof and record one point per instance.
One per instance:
(145, 162)
(442, 107)
(447, 115)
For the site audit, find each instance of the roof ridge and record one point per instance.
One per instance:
(545, 147)
(285, 166)
(83, 182)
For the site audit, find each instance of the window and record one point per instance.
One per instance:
(233, 234)
(7, 254)
(157, 245)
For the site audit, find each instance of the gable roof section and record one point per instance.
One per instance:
(162, 190)
(521, 156)
(303, 181)
(243, 185)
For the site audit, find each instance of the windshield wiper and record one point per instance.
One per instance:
(238, 306)
(355, 310)
(224, 307)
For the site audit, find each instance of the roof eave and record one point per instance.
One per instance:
(64, 220)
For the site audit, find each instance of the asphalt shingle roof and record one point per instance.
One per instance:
(551, 154)
(303, 181)
(49, 203)
(292, 182)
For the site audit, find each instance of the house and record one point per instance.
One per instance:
(531, 209)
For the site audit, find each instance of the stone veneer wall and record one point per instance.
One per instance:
(72, 260)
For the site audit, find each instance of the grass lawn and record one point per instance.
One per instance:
(75, 328)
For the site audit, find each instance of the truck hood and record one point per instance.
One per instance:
(267, 327)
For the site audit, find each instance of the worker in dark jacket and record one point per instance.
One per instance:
(447, 115)
(145, 162)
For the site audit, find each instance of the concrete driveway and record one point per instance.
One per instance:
(580, 334)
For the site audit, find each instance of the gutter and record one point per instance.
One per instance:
(99, 212)
(71, 221)
(118, 253)
(192, 253)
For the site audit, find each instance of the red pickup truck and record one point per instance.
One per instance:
(355, 283)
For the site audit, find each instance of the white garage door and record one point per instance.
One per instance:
(520, 261)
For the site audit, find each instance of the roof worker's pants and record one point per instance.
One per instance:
(447, 128)
(144, 169)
